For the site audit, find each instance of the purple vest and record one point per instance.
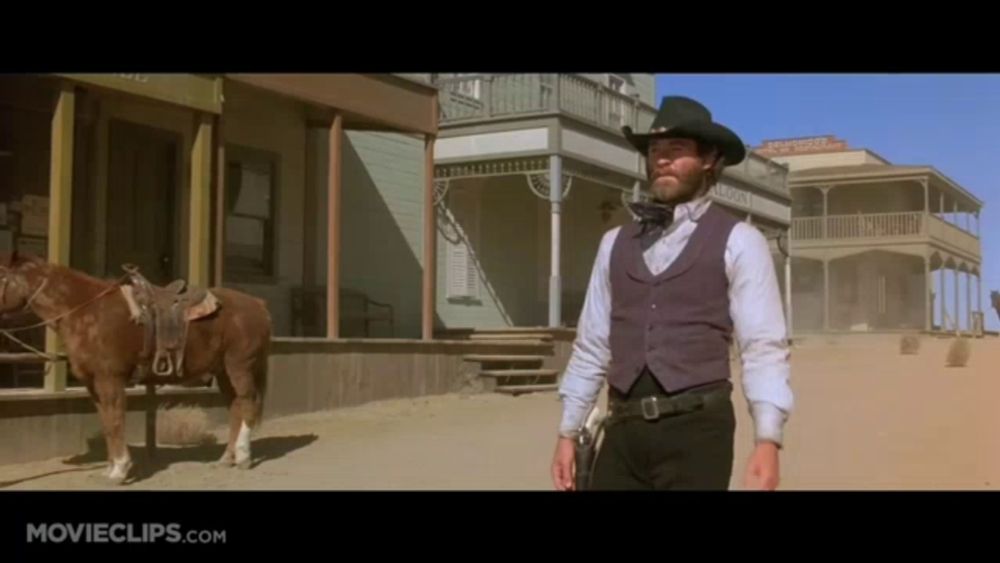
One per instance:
(677, 323)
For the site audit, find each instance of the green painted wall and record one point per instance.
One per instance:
(266, 122)
(381, 222)
(506, 257)
(514, 249)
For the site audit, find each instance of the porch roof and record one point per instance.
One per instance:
(864, 173)
(373, 102)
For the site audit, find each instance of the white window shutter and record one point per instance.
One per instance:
(458, 264)
(463, 275)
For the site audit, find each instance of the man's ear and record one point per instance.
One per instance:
(711, 160)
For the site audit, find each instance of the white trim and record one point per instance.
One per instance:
(609, 154)
(485, 144)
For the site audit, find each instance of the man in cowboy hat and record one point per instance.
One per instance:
(666, 295)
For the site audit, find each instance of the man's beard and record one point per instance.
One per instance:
(690, 188)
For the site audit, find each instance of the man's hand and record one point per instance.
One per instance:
(762, 471)
(563, 465)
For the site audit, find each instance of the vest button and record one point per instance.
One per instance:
(653, 305)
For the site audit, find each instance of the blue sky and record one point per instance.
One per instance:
(950, 121)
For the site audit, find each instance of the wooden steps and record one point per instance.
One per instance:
(506, 337)
(503, 358)
(519, 373)
(521, 389)
(513, 373)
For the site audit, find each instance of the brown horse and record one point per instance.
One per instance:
(105, 346)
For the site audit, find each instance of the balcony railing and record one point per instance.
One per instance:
(869, 225)
(956, 236)
(500, 96)
(486, 97)
(882, 226)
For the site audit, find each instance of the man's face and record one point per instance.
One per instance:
(676, 171)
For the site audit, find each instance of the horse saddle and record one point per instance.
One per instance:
(165, 313)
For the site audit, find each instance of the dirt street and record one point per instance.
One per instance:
(867, 418)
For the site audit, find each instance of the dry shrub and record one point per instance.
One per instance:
(958, 353)
(909, 344)
(183, 426)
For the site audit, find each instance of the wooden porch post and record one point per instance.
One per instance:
(968, 300)
(924, 226)
(199, 223)
(957, 325)
(555, 280)
(927, 196)
(788, 295)
(943, 297)
(333, 187)
(928, 304)
(220, 203)
(826, 294)
(979, 295)
(60, 210)
(826, 193)
(430, 243)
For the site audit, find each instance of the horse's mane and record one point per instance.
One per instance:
(60, 271)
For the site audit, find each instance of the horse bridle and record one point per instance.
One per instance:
(5, 279)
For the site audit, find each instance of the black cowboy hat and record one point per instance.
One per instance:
(681, 117)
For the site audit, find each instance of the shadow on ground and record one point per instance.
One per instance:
(95, 457)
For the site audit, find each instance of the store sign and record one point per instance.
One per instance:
(203, 93)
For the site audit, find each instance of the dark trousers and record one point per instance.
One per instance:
(692, 451)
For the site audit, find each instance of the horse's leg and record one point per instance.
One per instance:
(100, 412)
(228, 458)
(111, 390)
(246, 407)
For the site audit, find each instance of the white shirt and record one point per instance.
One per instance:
(755, 308)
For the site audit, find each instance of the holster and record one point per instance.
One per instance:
(586, 455)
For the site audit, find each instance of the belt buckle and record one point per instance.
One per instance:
(650, 408)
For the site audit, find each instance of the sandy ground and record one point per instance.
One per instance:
(866, 418)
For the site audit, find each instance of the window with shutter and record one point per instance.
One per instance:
(463, 274)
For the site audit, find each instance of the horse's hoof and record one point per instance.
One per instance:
(226, 461)
(120, 471)
(245, 464)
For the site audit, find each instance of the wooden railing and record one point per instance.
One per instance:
(498, 96)
(953, 235)
(868, 225)
(884, 226)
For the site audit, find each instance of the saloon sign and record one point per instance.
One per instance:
(741, 199)
(732, 194)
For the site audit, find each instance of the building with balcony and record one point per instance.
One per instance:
(277, 185)
(514, 251)
(878, 246)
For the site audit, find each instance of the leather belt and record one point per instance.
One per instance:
(654, 407)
